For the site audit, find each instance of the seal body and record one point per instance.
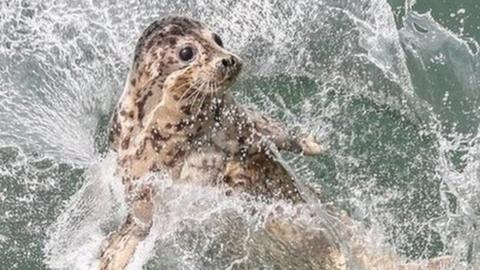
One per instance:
(177, 116)
(173, 112)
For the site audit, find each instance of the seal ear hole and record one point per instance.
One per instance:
(186, 53)
(218, 40)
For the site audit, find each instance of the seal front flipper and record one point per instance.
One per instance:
(276, 132)
(120, 245)
(309, 145)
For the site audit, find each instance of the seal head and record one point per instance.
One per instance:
(175, 46)
(177, 60)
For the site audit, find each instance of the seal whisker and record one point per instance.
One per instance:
(197, 86)
(186, 96)
(200, 105)
(216, 89)
(198, 93)
(211, 95)
(203, 96)
(192, 95)
(214, 86)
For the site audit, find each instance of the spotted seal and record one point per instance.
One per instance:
(177, 116)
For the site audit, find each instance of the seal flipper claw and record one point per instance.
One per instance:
(310, 147)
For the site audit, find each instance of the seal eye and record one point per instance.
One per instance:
(186, 54)
(218, 40)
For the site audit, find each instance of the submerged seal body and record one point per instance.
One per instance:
(177, 116)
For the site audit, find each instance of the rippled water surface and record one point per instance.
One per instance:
(392, 89)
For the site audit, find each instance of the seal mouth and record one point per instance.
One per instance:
(218, 78)
(201, 90)
(195, 87)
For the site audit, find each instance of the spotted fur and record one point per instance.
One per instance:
(178, 117)
(160, 124)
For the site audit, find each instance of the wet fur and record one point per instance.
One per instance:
(159, 125)
(214, 142)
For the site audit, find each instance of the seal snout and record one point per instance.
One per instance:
(228, 67)
(228, 61)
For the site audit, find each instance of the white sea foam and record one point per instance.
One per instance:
(337, 68)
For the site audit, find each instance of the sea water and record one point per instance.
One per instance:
(392, 88)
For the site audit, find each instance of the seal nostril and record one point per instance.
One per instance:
(232, 61)
(225, 63)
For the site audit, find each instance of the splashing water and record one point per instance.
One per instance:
(399, 109)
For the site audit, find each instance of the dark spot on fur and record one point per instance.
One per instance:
(156, 136)
(133, 82)
(126, 143)
(181, 125)
(202, 116)
(217, 112)
(168, 126)
(123, 161)
(241, 140)
(141, 148)
(186, 109)
(172, 41)
(174, 156)
(115, 129)
(150, 44)
(151, 28)
(177, 31)
(154, 167)
(135, 59)
(157, 145)
(141, 106)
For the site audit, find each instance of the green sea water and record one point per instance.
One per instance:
(393, 88)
